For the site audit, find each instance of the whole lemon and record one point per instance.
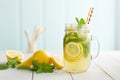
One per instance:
(39, 56)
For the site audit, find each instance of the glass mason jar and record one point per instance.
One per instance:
(77, 47)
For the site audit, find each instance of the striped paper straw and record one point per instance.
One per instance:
(89, 15)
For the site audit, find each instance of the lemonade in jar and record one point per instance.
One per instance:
(77, 42)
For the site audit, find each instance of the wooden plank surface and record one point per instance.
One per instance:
(110, 64)
(13, 74)
(93, 73)
(57, 75)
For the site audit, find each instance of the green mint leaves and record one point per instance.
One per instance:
(13, 62)
(10, 64)
(24, 68)
(3, 66)
(80, 22)
(39, 68)
(43, 67)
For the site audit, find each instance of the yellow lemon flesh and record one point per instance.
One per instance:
(58, 61)
(12, 54)
(73, 51)
(40, 56)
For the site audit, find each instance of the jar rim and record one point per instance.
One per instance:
(75, 27)
(75, 24)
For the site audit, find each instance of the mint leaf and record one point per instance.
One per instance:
(13, 62)
(77, 20)
(43, 67)
(24, 68)
(3, 66)
(49, 68)
(40, 69)
(80, 22)
(35, 65)
(10, 64)
(86, 47)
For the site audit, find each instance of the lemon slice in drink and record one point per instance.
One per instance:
(74, 49)
(12, 54)
(58, 61)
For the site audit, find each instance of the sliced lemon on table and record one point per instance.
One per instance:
(73, 49)
(39, 56)
(58, 61)
(42, 56)
(12, 54)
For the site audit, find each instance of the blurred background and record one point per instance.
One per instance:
(51, 15)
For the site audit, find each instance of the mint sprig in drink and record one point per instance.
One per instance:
(77, 46)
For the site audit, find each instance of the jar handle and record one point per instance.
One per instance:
(98, 47)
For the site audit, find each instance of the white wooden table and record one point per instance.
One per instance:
(105, 67)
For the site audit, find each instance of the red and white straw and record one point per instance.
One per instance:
(89, 15)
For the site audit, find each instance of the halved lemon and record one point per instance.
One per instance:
(58, 61)
(12, 54)
(73, 49)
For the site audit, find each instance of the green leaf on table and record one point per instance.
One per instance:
(24, 68)
(34, 65)
(40, 69)
(43, 67)
(13, 62)
(3, 66)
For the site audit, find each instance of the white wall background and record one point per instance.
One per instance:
(51, 15)
(118, 26)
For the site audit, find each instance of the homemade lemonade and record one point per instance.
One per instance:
(76, 48)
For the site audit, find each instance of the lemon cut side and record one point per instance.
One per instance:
(12, 54)
(73, 49)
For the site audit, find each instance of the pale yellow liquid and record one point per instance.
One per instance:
(80, 65)
(80, 62)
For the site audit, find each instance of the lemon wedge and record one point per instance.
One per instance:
(39, 56)
(42, 56)
(58, 61)
(12, 54)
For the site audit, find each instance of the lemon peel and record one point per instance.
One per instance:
(40, 56)
(58, 61)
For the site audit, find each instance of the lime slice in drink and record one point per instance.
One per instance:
(73, 49)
